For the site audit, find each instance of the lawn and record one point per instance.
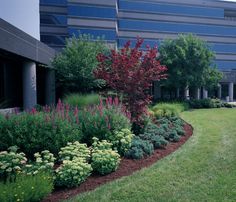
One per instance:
(204, 169)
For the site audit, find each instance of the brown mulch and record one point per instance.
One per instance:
(126, 167)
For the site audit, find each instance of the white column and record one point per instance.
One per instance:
(205, 93)
(186, 93)
(219, 91)
(197, 95)
(231, 91)
(29, 85)
(50, 86)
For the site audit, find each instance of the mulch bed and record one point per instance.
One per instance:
(126, 167)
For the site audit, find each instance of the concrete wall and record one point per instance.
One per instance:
(24, 14)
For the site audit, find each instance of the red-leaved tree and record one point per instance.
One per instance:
(130, 72)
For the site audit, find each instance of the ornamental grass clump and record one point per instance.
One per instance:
(104, 159)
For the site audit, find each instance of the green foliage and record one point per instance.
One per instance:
(36, 132)
(180, 131)
(11, 163)
(102, 123)
(139, 148)
(173, 136)
(168, 109)
(121, 140)
(208, 103)
(44, 162)
(104, 159)
(154, 135)
(72, 172)
(76, 63)
(202, 170)
(74, 150)
(189, 61)
(81, 100)
(27, 188)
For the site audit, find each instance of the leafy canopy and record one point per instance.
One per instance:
(76, 63)
(189, 62)
(130, 72)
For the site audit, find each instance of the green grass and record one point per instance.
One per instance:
(80, 100)
(203, 169)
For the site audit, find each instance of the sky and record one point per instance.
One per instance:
(23, 14)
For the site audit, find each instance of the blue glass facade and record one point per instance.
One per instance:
(174, 9)
(154, 20)
(91, 11)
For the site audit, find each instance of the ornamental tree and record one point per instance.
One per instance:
(190, 62)
(75, 64)
(130, 72)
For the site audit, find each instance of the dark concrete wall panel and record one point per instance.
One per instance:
(18, 42)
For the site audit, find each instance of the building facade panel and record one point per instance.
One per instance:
(154, 20)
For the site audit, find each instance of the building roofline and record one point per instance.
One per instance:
(16, 41)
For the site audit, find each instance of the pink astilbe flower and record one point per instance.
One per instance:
(76, 114)
(33, 111)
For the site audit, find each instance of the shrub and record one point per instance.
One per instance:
(130, 72)
(44, 161)
(173, 136)
(74, 150)
(121, 140)
(168, 109)
(104, 159)
(171, 128)
(11, 163)
(139, 148)
(102, 121)
(207, 103)
(155, 135)
(35, 132)
(75, 64)
(180, 131)
(81, 100)
(27, 188)
(72, 172)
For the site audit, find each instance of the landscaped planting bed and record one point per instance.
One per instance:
(71, 144)
(126, 167)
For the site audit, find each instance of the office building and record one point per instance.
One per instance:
(154, 20)
(26, 77)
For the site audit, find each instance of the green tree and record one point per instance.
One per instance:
(76, 63)
(190, 63)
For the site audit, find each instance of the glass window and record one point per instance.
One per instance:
(151, 43)
(223, 48)
(171, 9)
(53, 39)
(53, 19)
(54, 2)
(89, 11)
(225, 65)
(177, 27)
(107, 34)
